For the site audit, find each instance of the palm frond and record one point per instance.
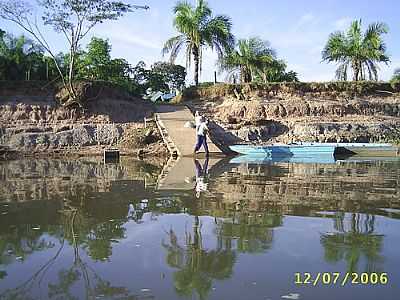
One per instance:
(173, 46)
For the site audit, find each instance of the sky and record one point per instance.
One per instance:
(296, 29)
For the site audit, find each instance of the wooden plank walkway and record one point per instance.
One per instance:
(179, 139)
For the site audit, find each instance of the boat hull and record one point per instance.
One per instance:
(284, 150)
(313, 149)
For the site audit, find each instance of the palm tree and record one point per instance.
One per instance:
(249, 58)
(198, 29)
(276, 72)
(361, 52)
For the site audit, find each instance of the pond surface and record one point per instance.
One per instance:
(80, 229)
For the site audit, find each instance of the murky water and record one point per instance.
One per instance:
(79, 229)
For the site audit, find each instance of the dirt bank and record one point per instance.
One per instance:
(364, 112)
(33, 122)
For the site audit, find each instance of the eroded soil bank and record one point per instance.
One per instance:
(32, 122)
(290, 112)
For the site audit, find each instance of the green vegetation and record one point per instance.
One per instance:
(251, 57)
(358, 51)
(276, 72)
(73, 19)
(23, 59)
(254, 60)
(161, 76)
(198, 29)
(395, 81)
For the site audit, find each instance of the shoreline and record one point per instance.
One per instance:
(35, 125)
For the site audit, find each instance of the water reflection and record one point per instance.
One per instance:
(197, 267)
(354, 240)
(201, 176)
(82, 229)
(248, 233)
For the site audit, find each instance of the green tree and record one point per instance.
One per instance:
(96, 64)
(120, 70)
(198, 29)
(160, 77)
(96, 61)
(358, 51)
(20, 58)
(276, 72)
(249, 58)
(173, 75)
(73, 19)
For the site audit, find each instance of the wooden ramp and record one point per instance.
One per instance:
(179, 139)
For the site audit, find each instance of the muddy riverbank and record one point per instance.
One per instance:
(320, 112)
(33, 123)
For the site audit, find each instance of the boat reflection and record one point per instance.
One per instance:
(260, 159)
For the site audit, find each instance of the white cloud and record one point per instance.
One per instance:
(141, 41)
(307, 19)
(342, 23)
(118, 33)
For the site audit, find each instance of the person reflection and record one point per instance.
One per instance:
(201, 177)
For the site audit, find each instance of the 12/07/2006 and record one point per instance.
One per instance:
(337, 278)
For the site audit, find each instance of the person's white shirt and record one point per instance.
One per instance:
(202, 129)
(197, 120)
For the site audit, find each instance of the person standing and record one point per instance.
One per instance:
(201, 133)
(197, 119)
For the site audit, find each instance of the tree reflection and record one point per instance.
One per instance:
(354, 239)
(83, 234)
(23, 241)
(93, 236)
(252, 233)
(98, 240)
(197, 267)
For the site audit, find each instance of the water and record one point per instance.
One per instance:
(79, 229)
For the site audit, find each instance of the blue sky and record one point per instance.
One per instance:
(297, 30)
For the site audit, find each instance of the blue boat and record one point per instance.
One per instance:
(315, 149)
(285, 150)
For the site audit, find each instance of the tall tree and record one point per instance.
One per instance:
(198, 29)
(356, 50)
(74, 19)
(249, 58)
(97, 60)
